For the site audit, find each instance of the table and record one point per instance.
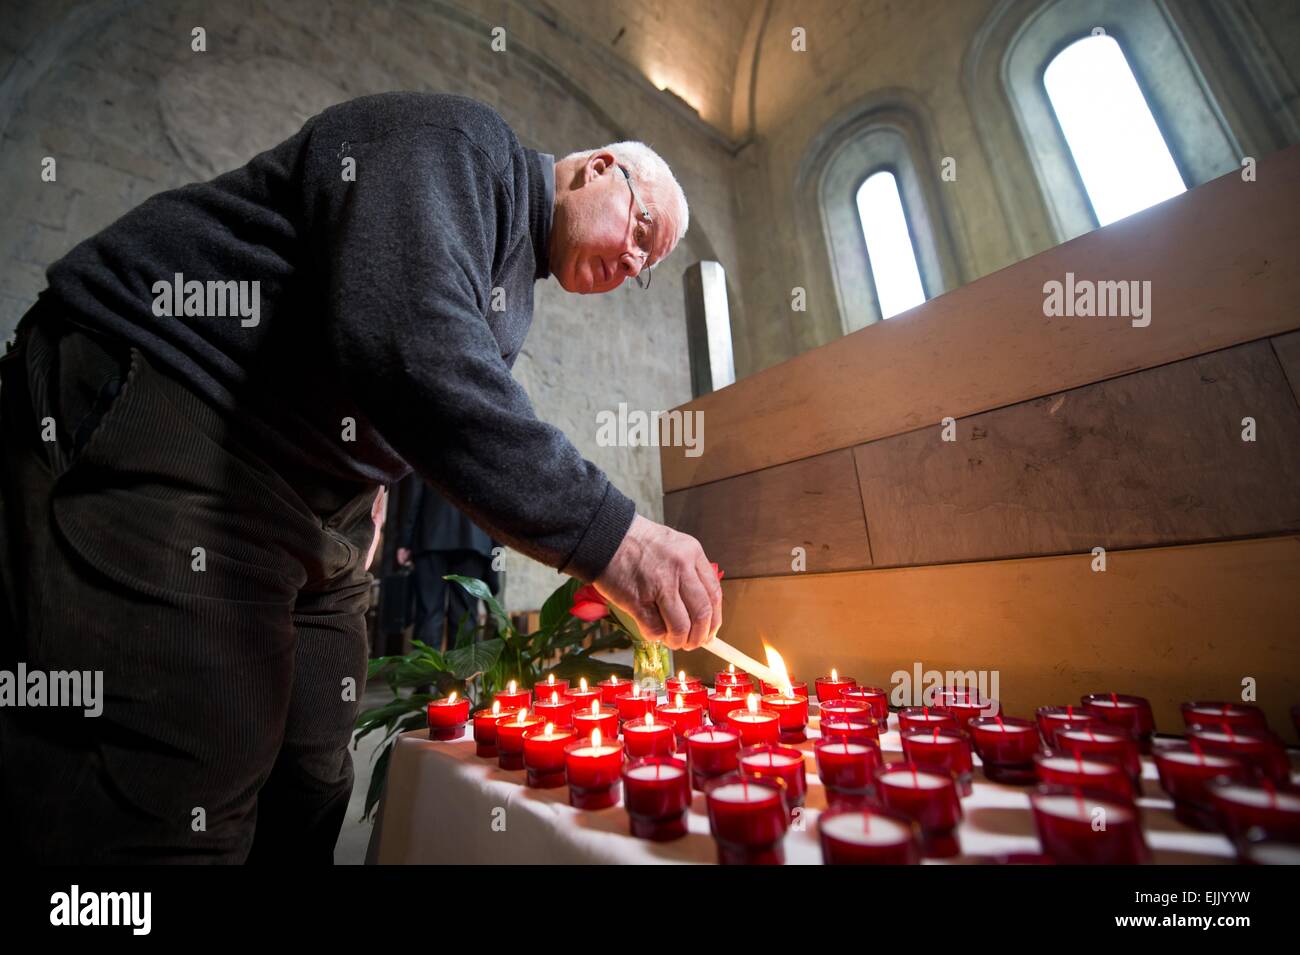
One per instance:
(444, 805)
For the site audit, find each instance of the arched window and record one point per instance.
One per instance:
(890, 251)
(1117, 147)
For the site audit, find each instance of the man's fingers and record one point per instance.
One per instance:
(714, 587)
(699, 606)
(651, 622)
(676, 619)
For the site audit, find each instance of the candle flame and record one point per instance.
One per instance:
(452, 697)
(613, 680)
(751, 702)
(679, 701)
(777, 664)
(551, 679)
(731, 668)
(523, 715)
(550, 728)
(513, 687)
(595, 737)
(681, 676)
(834, 676)
(636, 689)
(555, 697)
(595, 707)
(649, 719)
(582, 684)
(496, 707)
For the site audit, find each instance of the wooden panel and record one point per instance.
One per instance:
(1150, 458)
(1173, 623)
(1287, 348)
(1221, 262)
(749, 524)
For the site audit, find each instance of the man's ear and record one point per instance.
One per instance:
(600, 163)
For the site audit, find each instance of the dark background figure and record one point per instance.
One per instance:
(436, 539)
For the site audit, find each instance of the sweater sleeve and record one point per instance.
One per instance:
(410, 257)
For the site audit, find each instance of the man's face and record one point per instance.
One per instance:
(596, 238)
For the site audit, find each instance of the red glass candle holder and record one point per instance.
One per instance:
(711, 751)
(596, 717)
(749, 817)
(594, 772)
(1133, 713)
(510, 738)
(845, 708)
(582, 698)
(1185, 773)
(972, 708)
(1006, 745)
(544, 689)
(656, 793)
(1238, 715)
(612, 688)
(868, 837)
(847, 769)
(543, 752)
(792, 716)
(1065, 769)
(555, 709)
(720, 704)
(861, 730)
(634, 705)
(485, 730)
(682, 715)
(927, 797)
(514, 700)
(755, 727)
(945, 751)
(927, 717)
(653, 738)
(1103, 742)
(447, 717)
(769, 689)
(1067, 817)
(778, 762)
(731, 678)
(876, 698)
(943, 695)
(692, 690)
(1258, 748)
(1052, 718)
(830, 687)
(1261, 807)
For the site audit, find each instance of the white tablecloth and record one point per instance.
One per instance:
(441, 801)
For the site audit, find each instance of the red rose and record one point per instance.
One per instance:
(588, 604)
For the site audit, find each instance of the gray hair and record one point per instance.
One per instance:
(647, 166)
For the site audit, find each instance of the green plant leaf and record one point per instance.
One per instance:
(468, 662)
(378, 779)
(477, 588)
(556, 608)
(574, 666)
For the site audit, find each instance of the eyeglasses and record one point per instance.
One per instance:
(643, 233)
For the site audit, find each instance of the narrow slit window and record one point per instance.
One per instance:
(889, 245)
(1117, 147)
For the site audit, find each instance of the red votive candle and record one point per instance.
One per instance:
(971, 708)
(927, 717)
(711, 751)
(1185, 773)
(682, 715)
(1104, 742)
(635, 704)
(1239, 715)
(612, 688)
(863, 729)
(1052, 718)
(876, 699)
(1065, 769)
(555, 709)
(867, 837)
(657, 793)
(1066, 818)
(1133, 713)
(583, 695)
(510, 738)
(749, 817)
(513, 699)
(778, 762)
(754, 725)
(927, 797)
(1261, 805)
(447, 717)
(770, 689)
(829, 687)
(943, 750)
(845, 708)
(729, 677)
(485, 730)
(792, 715)
(596, 717)
(720, 704)
(649, 736)
(1006, 745)
(593, 768)
(943, 695)
(543, 748)
(691, 689)
(1258, 748)
(847, 770)
(543, 690)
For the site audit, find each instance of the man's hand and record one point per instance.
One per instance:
(404, 556)
(662, 578)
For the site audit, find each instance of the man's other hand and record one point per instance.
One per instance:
(662, 578)
(404, 556)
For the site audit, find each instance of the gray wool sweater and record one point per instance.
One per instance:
(378, 343)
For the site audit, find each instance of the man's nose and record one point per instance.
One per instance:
(631, 262)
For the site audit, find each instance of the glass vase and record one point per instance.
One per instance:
(652, 665)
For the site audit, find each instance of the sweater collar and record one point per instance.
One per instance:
(541, 206)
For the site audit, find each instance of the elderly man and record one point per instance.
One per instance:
(197, 415)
